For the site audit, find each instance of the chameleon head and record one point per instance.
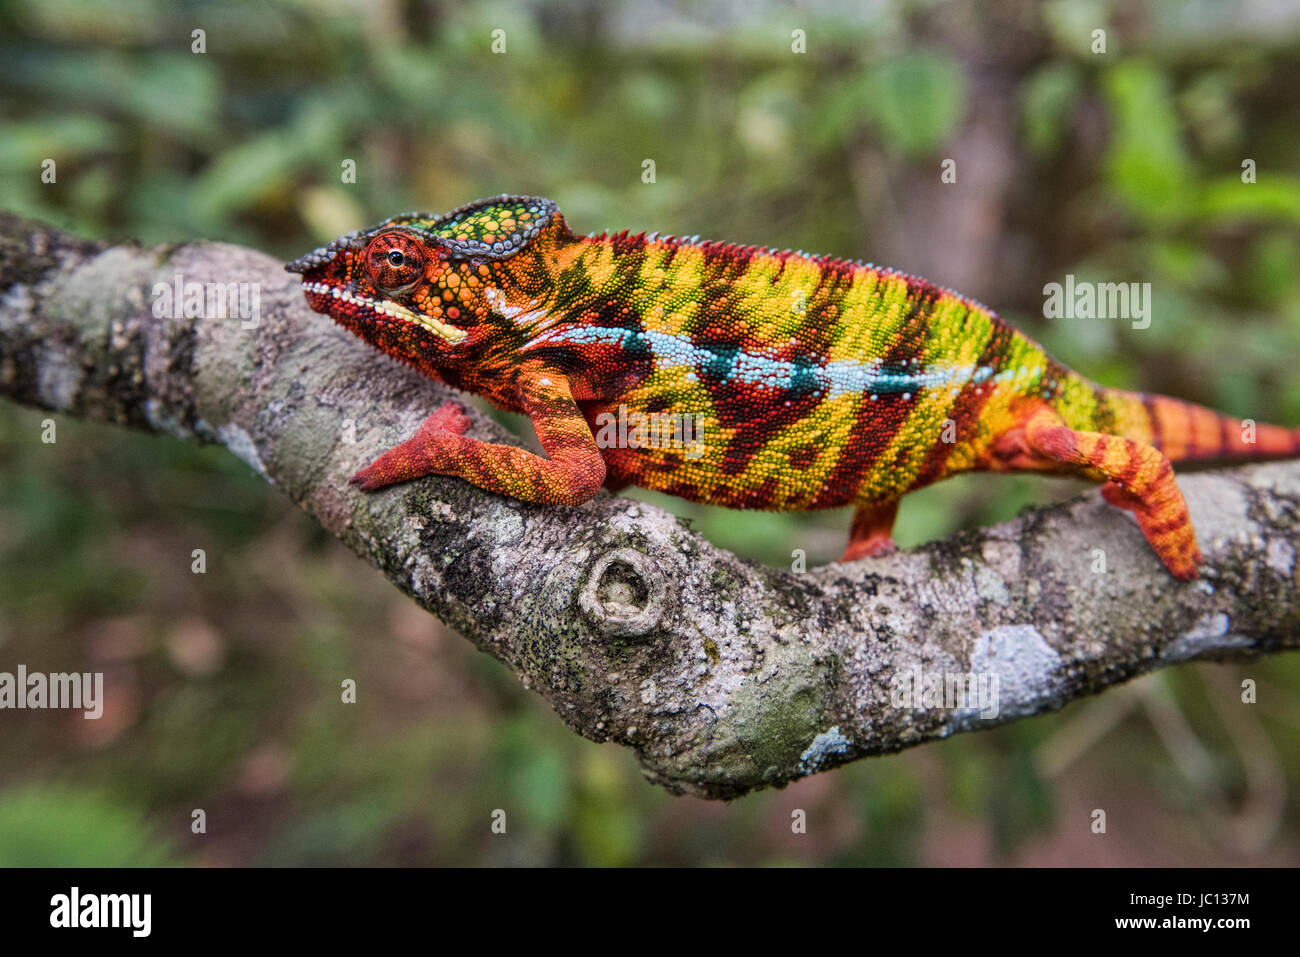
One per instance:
(417, 286)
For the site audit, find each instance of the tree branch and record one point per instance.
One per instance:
(722, 675)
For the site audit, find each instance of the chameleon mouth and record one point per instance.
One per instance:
(320, 294)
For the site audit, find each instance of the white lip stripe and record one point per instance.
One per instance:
(441, 329)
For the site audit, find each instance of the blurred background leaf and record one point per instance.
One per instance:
(70, 826)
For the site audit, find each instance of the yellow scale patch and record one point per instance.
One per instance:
(1131, 418)
(870, 314)
(1076, 403)
(774, 311)
(599, 263)
(667, 296)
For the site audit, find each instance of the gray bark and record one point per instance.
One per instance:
(722, 675)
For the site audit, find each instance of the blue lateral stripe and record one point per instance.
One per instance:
(835, 378)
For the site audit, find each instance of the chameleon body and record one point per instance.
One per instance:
(738, 376)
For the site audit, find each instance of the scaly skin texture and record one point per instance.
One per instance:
(738, 376)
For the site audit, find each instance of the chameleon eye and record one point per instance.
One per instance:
(394, 261)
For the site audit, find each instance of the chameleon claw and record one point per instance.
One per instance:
(366, 480)
(869, 548)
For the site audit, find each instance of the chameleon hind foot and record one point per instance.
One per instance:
(870, 533)
(1166, 525)
(1138, 478)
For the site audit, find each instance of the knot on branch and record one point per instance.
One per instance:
(625, 595)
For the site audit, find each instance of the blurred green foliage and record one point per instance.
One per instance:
(70, 826)
(1126, 165)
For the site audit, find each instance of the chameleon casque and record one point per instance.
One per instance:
(812, 382)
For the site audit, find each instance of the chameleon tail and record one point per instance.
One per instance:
(1186, 432)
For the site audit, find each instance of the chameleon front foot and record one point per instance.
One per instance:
(425, 453)
(571, 474)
